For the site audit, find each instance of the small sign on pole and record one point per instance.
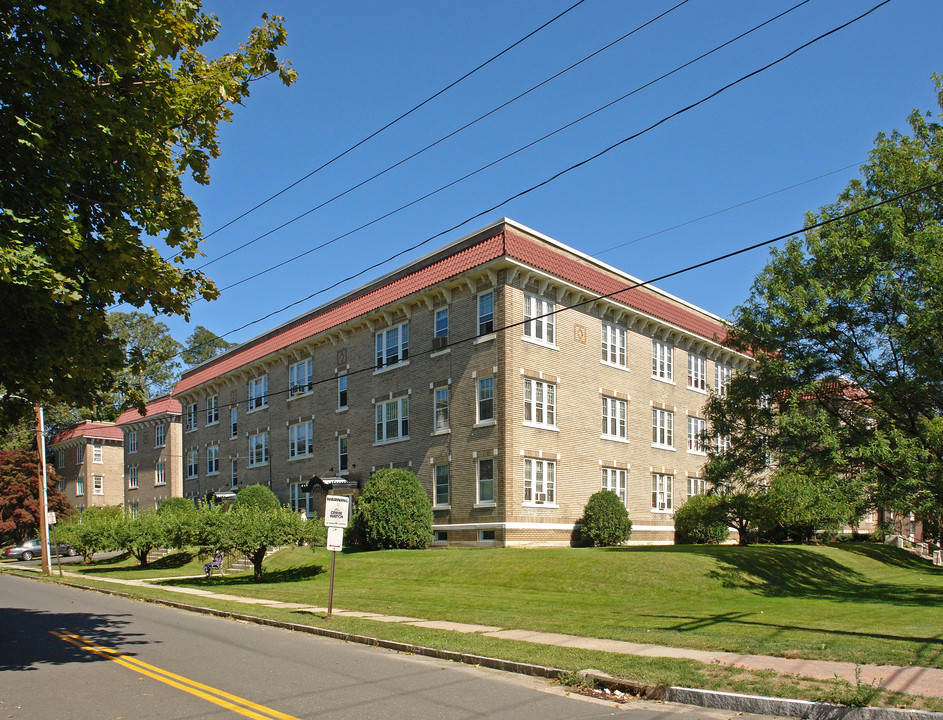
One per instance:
(335, 539)
(336, 516)
(50, 518)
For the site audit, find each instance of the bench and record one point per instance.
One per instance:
(215, 564)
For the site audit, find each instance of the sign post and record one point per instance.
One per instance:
(336, 515)
(51, 522)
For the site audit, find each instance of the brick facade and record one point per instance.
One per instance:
(89, 462)
(152, 470)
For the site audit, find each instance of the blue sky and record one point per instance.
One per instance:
(363, 63)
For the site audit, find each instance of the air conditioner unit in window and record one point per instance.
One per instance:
(661, 506)
(439, 343)
(540, 497)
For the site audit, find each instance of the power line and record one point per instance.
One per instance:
(395, 120)
(452, 134)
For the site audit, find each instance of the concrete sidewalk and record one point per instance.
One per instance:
(912, 680)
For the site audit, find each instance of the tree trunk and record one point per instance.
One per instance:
(257, 557)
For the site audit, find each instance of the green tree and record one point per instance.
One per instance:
(605, 520)
(203, 345)
(258, 496)
(252, 529)
(180, 517)
(846, 326)
(393, 512)
(138, 534)
(19, 495)
(91, 530)
(105, 108)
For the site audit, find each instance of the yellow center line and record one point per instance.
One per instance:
(206, 692)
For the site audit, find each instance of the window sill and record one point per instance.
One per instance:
(163, 484)
(662, 512)
(484, 338)
(187, 431)
(700, 453)
(614, 438)
(131, 488)
(341, 410)
(538, 426)
(301, 457)
(299, 395)
(485, 423)
(481, 505)
(664, 380)
(264, 406)
(257, 465)
(549, 506)
(447, 431)
(697, 390)
(439, 353)
(441, 507)
(212, 474)
(385, 368)
(211, 424)
(391, 441)
(541, 343)
(663, 447)
(615, 366)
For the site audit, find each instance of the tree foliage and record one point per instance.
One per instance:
(605, 520)
(701, 520)
(105, 108)
(203, 345)
(258, 496)
(150, 351)
(252, 529)
(139, 533)
(846, 326)
(393, 512)
(91, 530)
(19, 495)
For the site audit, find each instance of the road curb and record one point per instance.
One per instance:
(754, 704)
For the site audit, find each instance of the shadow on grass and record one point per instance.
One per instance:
(119, 563)
(269, 577)
(891, 556)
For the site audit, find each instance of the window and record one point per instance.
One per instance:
(62, 486)
(662, 428)
(721, 379)
(342, 391)
(133, 477)
(299, 378)
(97, 453)
(133, 441)
(300, 440)
(442, 484)
(539, 481)
(233, 421)
(98, 485)
(212, 460)
(233, 474)
(441, 325)
(298, 499)
(258, 449)
(212, 410)
(133, 508)
(540, 403)
(723, 444)
(393, 345)
(80, 486)
(696, 428)
(60, 458)
(486, 398)
(614, 479)
(441, 408)
(79, 454)
(160, 477)
(486, 313)
(696, 486)
(441, 536)
(192, 464)
(613, 345)
(189, 422)
(697, 372)
(160, 433)
(661, 361)
(486, 536)
(613, 418)
(538, 319)
(393, 419)
(258, 393)
(662, 491)
(342, 454)
(486, 481)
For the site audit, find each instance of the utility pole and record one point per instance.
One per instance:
(43, 500)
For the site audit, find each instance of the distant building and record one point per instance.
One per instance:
(152, 466)
(89, 462)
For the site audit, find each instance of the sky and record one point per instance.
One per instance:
(772, 147)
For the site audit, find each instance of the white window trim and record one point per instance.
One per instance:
(98, 453)
(340, 470)
(668, 414)
(189, 419)
(619, 403)
(545, 313)
(98, 484)
(611, 331)
(160, 474)
(478, 420)
(293, 453)
(534, 464)
(435, 411)
(265, 449)
(296, 389)
(133, 477)
(479, 503)
(435, 487)
(695, 446)
(163, 436)
(663, 355)
(193, 464)
(257, 401)
(346, 389)
(548, 389)
(696, 361)
(402, 348)
(212, 409)
(400, 417)
(621, 482)
(478, 314)
(132, 441)
(212, 455)
(664, 490)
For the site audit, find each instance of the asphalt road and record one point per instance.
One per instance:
(67, 653)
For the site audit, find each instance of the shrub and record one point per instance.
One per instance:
(177, 506)
(393, 512)
(257, 496)
(605, 520)
(702, 519)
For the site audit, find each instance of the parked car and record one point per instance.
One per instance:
(33, 548)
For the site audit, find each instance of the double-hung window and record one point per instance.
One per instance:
(133, 477)
(258, 449)
(212, 460)
(233, 421)
(342, 391)
(192, 463)
(98, 484)
(392, 419)
(539, 481)
(662, 428)
(258, 392)
(486, 481)
(613, 345)
(234, 474)
(486, 398)
(614, 479)
(212, 410)
(662, 491)
(80, 486)
(440, 408)
(613, 418)
(486, 313)
(160, 474)
(538, 319)
(723, 444)
(721, 379)
(97, 453)
(442, 484)
(661, 361)
(300, 440)
(696, 428)
(299, 378)
(190, 422)
(160, 435)
(342, 454)
(441, 323)
(696, 486)
(540, 403)
(79, 454)
(697, 372)
(133, 441)
(392, 345)
(60, 458)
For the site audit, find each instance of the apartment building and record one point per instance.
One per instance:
(89, 462)
(514, 375)
(152, 463)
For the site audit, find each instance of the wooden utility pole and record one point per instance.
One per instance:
(43, 501)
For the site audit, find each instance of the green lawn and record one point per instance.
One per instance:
(855, 602)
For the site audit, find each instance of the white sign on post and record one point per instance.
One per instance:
(50, 518)
(336, 511)
(335, 539)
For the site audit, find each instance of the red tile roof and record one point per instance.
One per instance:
(155, 407)
(91, 430)
(506, 241)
